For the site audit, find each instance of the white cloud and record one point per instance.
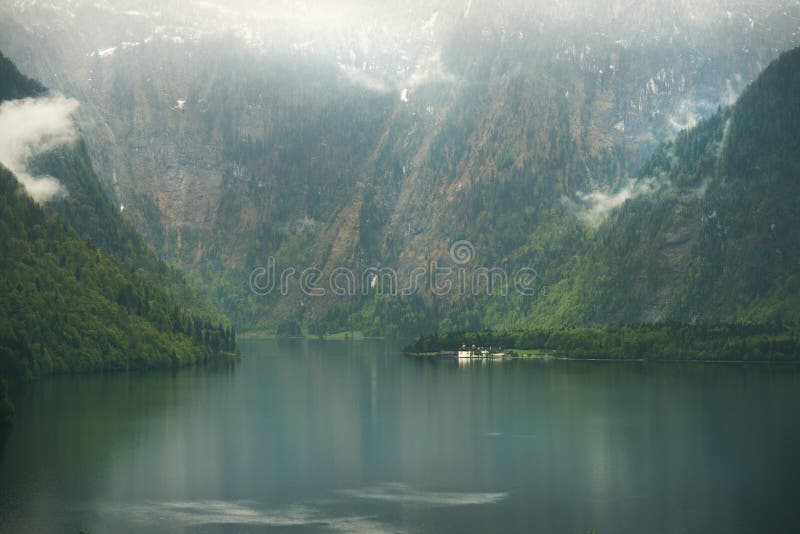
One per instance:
(686, 116)
(598, 205)
(107, 52)
(431, 69)
(426, 70)
(365, 79)
(689, 112)
(30, 127)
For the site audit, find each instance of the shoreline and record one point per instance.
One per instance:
(544, 358)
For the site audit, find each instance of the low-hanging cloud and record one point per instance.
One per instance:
(365, 79)
(690, 112)
(596, 206)
(33, 126)
(428, 68)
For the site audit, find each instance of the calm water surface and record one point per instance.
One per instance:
(354, 437)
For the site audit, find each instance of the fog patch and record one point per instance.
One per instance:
(593, 208)
(431, 69)
(428, 69)
(365, 79)
(687, 115)
(690, 112)
(33, 126)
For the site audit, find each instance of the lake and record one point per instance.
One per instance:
(355, 437)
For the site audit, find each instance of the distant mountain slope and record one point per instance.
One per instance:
(380, 146)
(718, 241)
(80, 290)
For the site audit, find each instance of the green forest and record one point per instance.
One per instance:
(79, 290)
(652, 342)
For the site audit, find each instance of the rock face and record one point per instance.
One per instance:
(381, 147)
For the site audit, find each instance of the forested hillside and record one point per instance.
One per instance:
(648, 342)
(67, 306)
(81, 291)
(707, 235)
(716, 241)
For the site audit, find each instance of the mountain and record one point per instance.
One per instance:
(714, 241)
(359, 144)
(80, 290)
(698, 260)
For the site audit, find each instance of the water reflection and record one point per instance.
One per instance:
(401, 493)
(355, 437)
(185, 514)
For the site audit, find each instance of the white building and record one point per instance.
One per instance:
(464, 353)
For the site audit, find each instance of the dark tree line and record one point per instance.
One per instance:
(668, 341)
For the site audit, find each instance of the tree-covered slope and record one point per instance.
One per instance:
(80, 289)
(87, 209)
(717, 240)
(66, 306)
(15, 85)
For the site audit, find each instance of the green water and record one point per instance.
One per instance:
(355, 437)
